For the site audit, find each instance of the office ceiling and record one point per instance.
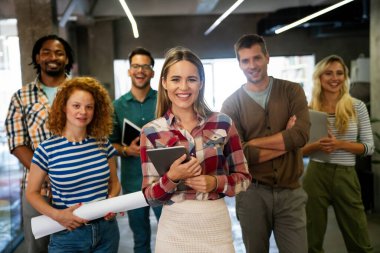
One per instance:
(277, 12)
(112, 8)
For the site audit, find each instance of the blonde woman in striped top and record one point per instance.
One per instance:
(333, 180)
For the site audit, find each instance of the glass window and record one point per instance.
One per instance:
(10, 169)
(223, 76)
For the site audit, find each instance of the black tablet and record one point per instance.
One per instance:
(130, 132)
(163, 158)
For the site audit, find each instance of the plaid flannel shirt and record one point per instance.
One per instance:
(214, 142)
(26, 122)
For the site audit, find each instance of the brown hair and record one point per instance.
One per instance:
(100, 126)
(247, 41)
(173, 56)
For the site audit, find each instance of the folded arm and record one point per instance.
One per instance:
(272, 146)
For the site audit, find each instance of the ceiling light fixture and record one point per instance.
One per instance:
(224, 15)
(307, 18)
(67, 13)
(130, 17)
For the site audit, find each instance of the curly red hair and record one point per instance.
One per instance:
(100, 126)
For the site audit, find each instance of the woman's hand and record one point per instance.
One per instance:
(67, 218)
(329, 144)
(202, 183)
(179, 170)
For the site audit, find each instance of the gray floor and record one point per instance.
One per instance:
(333, 239)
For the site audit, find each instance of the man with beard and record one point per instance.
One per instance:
(26, 127)
(272, 118)
(138, 106)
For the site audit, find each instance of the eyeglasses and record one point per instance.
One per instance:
(145, 67)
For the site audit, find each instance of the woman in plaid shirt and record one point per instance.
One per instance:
(194, 217)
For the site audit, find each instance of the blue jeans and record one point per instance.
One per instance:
(139, 223)
(100, 236)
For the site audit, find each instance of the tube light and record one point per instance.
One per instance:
(68, 11)
(307, 18)
(130, 17)
(224, 15)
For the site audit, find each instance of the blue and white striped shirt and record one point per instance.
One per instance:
(78, 171)
(358, 131)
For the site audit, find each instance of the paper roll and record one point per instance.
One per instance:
(44, 225)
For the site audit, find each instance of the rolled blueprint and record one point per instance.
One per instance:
(44, 225)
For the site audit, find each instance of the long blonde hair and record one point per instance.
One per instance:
(173, 56)
(344, 110)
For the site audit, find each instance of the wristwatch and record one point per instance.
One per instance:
(123, 151)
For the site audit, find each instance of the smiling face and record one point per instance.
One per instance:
(332, 79)
(52, 58)
(182, 84)
(139, 72)
(254, 64)
(79, 110)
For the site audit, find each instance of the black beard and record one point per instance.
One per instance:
(54, 73)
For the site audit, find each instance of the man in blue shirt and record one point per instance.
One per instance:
(138, 106)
